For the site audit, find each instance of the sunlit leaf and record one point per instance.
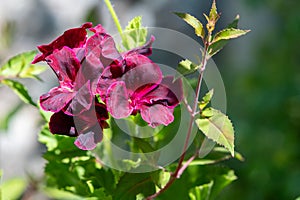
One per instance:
(217, 46)
(213, 14)
(161, 178)
(201, 192)
(194, 22)
(212, 18)
(229, 33)
(12, 189)
(206, 99)
(135, 34)
(20, 90)
(186, 67)
(20, 66)
(217, 126)
(55, 193)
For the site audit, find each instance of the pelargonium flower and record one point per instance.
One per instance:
(77, 68)
(78, 63)
(135, 84)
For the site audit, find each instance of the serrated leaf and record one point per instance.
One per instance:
(135, 35)
(20, 66)
(213, 14)
(186, 67)
(20, 90)
(217, 46)
(201, 192)
(194, 22)
(206, 99)
(218, 127)
(229, 33)
(234, 23)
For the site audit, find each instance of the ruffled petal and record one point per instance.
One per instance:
(145, 72)
(72, 38)
(102, 46)
(89, 140)
(65, 64)
(168, 93)
(157, 114)
(56, 99)
(81, 101)
(117, 100)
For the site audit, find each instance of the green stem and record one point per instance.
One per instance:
(181, 167)
(114, 16)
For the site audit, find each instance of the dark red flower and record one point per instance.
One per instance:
(155, 102)
(72, 38)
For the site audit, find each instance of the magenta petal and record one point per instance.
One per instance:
(56, 99)
(65, 64)
(157, 114)
(146, 72)
(62, 124)
(89, 140)
(117, 100)
(102, 47)
(98, 29)
(81, 101)
(72, 38)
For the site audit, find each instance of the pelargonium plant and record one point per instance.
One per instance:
(101, 83)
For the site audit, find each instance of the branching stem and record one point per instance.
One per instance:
(180, 167)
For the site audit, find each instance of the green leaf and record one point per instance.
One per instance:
(194, 22)
(217, 46)
(143, 145)
(47, 138)
(217, 126)
(161, 178)
(4, 120)
(298, 198)
(229, 33)
(186, 67)
(213, 14)
(135, 34)
(132, 184)
(212, 18)
(221, 182)
(17, 185)
(55, 193)
(100, 194)
(201, 192)
(234, 23)
(206, 99)
(20, 90)
(20, 66)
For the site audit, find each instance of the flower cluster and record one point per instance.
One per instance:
(95, 79)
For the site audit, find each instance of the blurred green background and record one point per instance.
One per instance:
(260, 71)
